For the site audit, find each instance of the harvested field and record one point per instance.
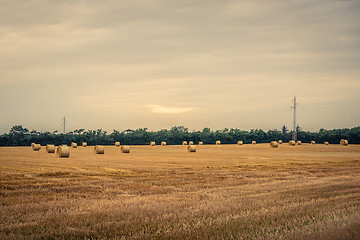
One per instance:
(219, 192)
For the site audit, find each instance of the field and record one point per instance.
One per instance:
(165, 192)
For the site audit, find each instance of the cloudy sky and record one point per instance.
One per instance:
(160, 63)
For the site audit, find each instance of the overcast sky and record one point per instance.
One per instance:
(162, 63)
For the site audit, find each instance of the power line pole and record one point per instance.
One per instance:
(64, 124)
(294, 109)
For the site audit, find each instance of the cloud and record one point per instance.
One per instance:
(170, 110)
(240, 62)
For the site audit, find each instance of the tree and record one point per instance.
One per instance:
(284, 129)
(354, 135)
(17, 135)
(207, 136)
(274, 135)
(20, 136)
(4, 139)
(178, 134)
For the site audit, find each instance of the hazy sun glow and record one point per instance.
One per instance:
(169, 110)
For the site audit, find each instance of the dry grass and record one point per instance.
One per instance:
(219, 192)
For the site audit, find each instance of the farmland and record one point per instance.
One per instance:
(165, 192)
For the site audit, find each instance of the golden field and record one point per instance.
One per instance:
(165, 192)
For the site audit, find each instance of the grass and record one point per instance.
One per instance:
(165, 192)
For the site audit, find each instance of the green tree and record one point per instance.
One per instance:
(284, 129)
(18, 136)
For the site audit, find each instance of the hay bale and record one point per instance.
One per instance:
(218, 142)
(344, 142)
(50, 148)
(125, 149)
(326, 143)
(32, 145)
(240, 143)
(36, 147)
(298, 143)
(163, 143)
(98, 149)
(191, 143)
(274, 144)
(280, 142)
(184, 143)
(312, 142)
(84, 144)
(152, 143)
(201, 143)
(253, 142)
(191, 148)
(292, 143)
(117, 144)
(63, 151)
(74, 145)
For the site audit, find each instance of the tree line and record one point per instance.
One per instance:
(21, 136)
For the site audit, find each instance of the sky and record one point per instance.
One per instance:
(195, 63)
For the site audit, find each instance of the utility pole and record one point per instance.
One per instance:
(294, 109)
(64, 124)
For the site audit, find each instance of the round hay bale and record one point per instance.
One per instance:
(74, 145)
(32, 145)
(63, 151)
(50, 148)
(98, 149)
(344, 142)
(201, 143)
(152, 143)
(163, 143)
(312, 142)
(117, 144)
(84, 144)
(280, 142)
(326, 143)
(184, 143)
(292, 143)
(191, 143)
(298, 143)
(125, 149)
(253, 142)
(240, 143)
(218, 142)
(274, 144)
(191, 148)
(36, 147)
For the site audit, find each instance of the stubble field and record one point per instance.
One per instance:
(165, 192)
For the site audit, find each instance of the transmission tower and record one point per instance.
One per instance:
(63, 123)
(294, 136)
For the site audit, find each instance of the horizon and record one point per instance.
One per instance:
(59, 131)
